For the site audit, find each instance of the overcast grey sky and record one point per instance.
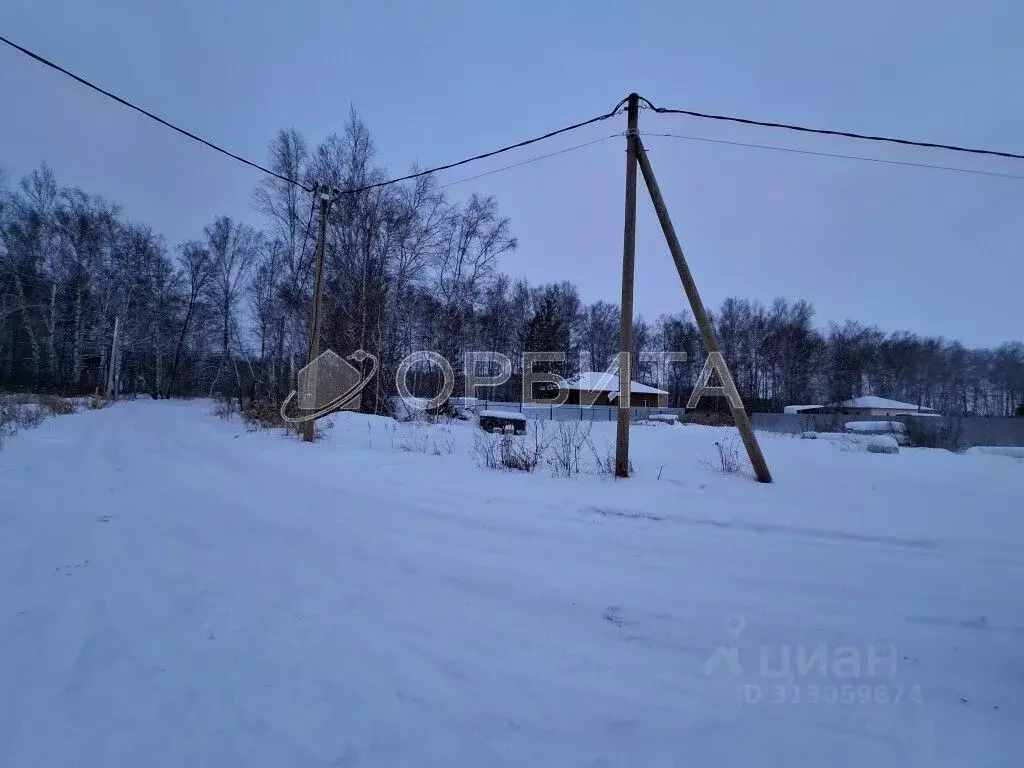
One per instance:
(924, 250)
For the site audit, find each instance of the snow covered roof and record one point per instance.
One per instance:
(873, 401)
(597, 381)
(491, 413)
(798, 408)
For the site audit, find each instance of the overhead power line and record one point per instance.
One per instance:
(533, 160)
(827, 132)
(485, 155)
(833, 154)
(526, 142)
(147, 113)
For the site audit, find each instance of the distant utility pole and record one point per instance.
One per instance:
(112, 368)
(325, 192)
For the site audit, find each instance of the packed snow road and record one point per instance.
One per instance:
(177, 591)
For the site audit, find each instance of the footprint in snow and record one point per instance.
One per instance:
(614, 616)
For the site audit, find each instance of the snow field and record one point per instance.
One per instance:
(175, 590)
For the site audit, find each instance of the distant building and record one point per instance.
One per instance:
(868, 405)
(801, 408)
(872, 405)
(595, 388)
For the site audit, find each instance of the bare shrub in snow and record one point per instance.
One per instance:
(485, 451)
(501, 451)
(440, 415)
(567, 443)
(408, 409)
(414, 443)
(727, 460)
(420, 437)
(604, 463)
(57, 406)
(7, 420)
(26, 411)
(22, 413)
(444, 446)
(515, 455)
(560, 445)
(224, 408)
(31, 416)
(522, 453)
(262, 414)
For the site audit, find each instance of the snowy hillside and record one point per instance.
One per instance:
(175, 590)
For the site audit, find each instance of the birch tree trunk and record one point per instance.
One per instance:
(32, 340)
(51, 335)
(76, 346)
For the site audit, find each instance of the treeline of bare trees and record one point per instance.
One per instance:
(778, 357)
(406, 268)
(70, 264)
(776, 354)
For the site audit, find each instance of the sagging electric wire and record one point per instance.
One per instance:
(615, 110)
(147, 113)
(206, 142)
(645, 103)
(834, 154)
(829, 132)
(532, 160)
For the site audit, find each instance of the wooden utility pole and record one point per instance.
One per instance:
(112, 368)
(707, 332)
(324, 191)
(626, 315)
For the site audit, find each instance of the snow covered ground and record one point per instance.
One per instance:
(177, 591)
(1010, 451)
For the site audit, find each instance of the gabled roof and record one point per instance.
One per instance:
(597, 381)
(873, 401)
